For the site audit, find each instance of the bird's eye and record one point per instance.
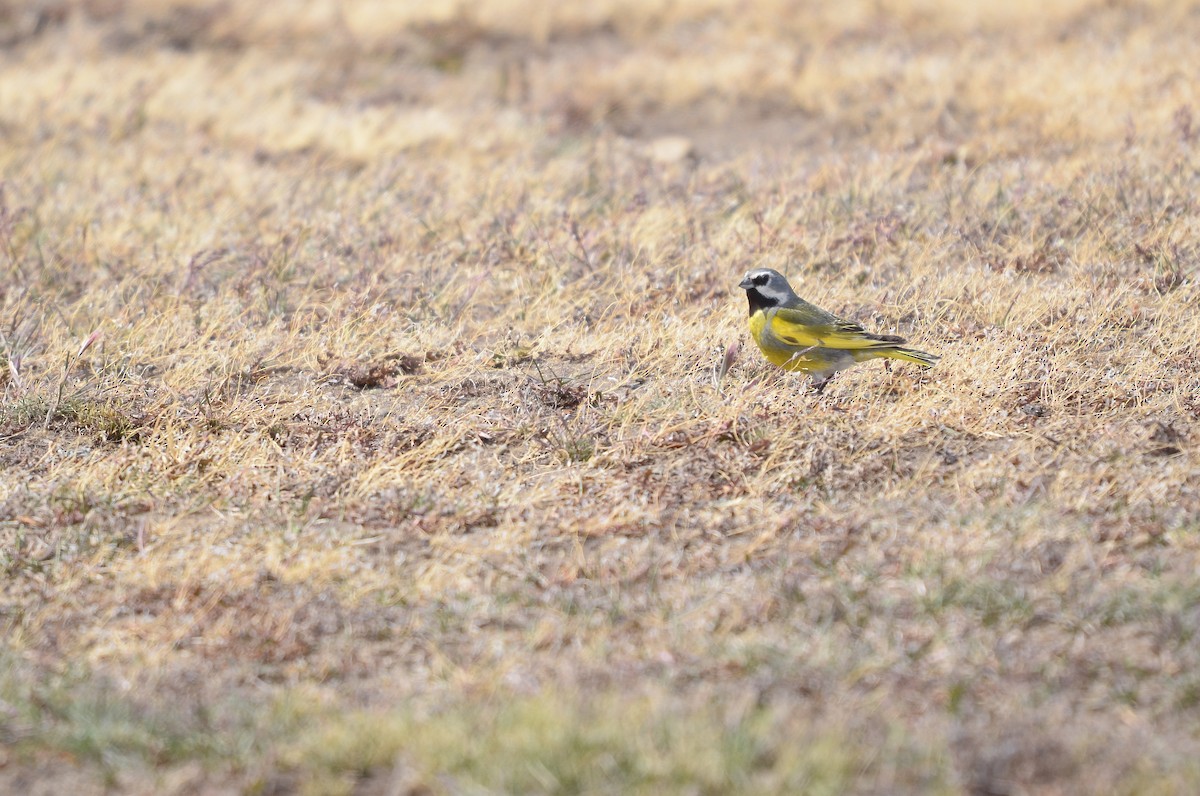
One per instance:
(761, 279)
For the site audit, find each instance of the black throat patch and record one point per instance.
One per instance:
(758, 301)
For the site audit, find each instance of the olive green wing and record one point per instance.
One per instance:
(809, 326)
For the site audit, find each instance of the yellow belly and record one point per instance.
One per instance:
(796, 358)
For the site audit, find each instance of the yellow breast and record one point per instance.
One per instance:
(778, 352)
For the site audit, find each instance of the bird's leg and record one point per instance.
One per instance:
(796, 355)
(818, 385)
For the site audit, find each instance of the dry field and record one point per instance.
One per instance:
(396, 461)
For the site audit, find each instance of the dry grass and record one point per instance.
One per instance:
(399, 464)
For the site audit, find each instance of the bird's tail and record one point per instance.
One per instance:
(910, 355)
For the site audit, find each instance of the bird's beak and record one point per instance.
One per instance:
(746, 284)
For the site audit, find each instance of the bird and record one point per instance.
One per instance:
(796, 335)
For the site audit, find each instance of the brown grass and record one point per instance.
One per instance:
(400, 464)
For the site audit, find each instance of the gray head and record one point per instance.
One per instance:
(766, 288)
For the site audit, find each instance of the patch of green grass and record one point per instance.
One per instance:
(103, 419)
(993, 601)
(1148, 779)
(25, 411)
(1165, 604)
(547, 743)
(555, 743)
(97, 725)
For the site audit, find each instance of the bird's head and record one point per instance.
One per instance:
(766, 288)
